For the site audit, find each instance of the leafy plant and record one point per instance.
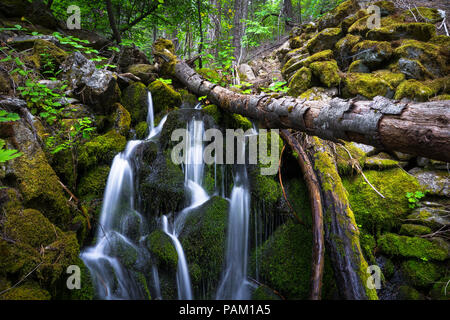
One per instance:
(278, 86)
(165, 81)
(414, 198)
(6, 155)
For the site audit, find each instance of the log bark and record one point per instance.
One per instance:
(318, 252)
(421, 129)
(341, 231)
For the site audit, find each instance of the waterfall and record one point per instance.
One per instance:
(111, 278)
(234, 284)
(194, 170)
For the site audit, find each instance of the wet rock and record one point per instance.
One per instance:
(437, 182)
(164, 97)
(372, 53)
(145, 72)
(358, 66)
(95, 87)
(412, 69)
(433, 215)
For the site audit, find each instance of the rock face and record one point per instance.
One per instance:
(437, 182)
(96, 87)
(246, 70)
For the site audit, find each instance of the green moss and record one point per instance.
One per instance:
(204, 241)
(165, 48)
(241, 122)
(145, 72)
(414, 90)
(122, 120)
(396, 31)
(441, 97)
(298, 195)
(214, 112)
(4, 84)
(373, 212)
(421, 273)
(414, 230)
(327, 72)
(135, 100)
(40, 186)
(439, 86)
(408, 293)
(30, 227)
(141, 130)
(334, 17)
(164, 97)
(345, 163)
(45, 51)
(324, 40)
(368, 245)
(367, 85)
(358, 66)
(27, 291)
(373, 53)
(87, 287)
(161, 247)
(344, 45)
(265, 188)
(295, 43)
(381, 161)
(387, 7)
(440, 289)
(441, 40)
(430, 15)
(411, 247)
(264, 293)
(101, 149)
(300, 82)
(393, 79)
(94, 182)
(359, 27)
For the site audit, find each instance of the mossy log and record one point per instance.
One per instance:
(318, 252)
(341, 231)
(415, 128)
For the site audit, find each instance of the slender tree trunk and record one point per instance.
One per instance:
(200, 47)
(240, 13)
(288, 11)
(112, 21)
(417, 128)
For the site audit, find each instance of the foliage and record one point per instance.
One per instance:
(414, 198)
(6, 155)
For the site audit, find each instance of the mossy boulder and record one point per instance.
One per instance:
(440, 289)
(381, 161)
(334, 17)
(432, 217)
(366, 85)
(141, 130)
(358, 66)
(301, 81)
(101, 149)
(411, 247)
(45, 52)
(387, 7)
(392, 78)
(4, 84)
(122, 119)
(135, 100)
(164, 53)
(409, 293)
(421, 274)
(373, 212)
(429, 55)
(30, 227)
(324, 40)
(204, 239)
(145, 72)
(430, 15)
(413, 90)
(28, 291)
(327, 72)
(414, 230)
(162, 250)
(164, 97)
(346, 163)
(437, 182)
(94, 182)
(213, 111)
(373, 53)
(397, 31)
(343, 49)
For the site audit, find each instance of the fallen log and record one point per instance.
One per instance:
(421, 129)
(318, 251)
(341, 231)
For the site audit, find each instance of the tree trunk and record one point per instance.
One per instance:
(240, 13)
(288, 11)
(415, 128)
(317, 214)
(200, 47)
(341, 231)
(112, 22)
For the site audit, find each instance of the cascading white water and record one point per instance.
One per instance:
(234, 284)
(112, 279)
(194, 169)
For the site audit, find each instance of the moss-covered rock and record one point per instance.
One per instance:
(27, 291)
(141, 130)
(214, 112)
(414, 230)
(164, 97)
(440, 289)
(409, 293)
(301, 81)
(396, 31)
(334, 17)
(297, 62)
(30, 227)
(264, 293)
(411, 247)
(162, 249)
(413, 90)
(367, 85)
(430, 15)
(387, 7)
(145, 72)
(4, 84)
(392, 78)
(421, 274)
(373, 212)
(122, 119)
(101, 149)
(94, 182)
(45, 52)
(327, 72)
(204, 241)
(343, 49)
(165, 48)
(135, 100)
(358, 66)
(373, 53)
(324, 40)
(346, 163)
(381, 161)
